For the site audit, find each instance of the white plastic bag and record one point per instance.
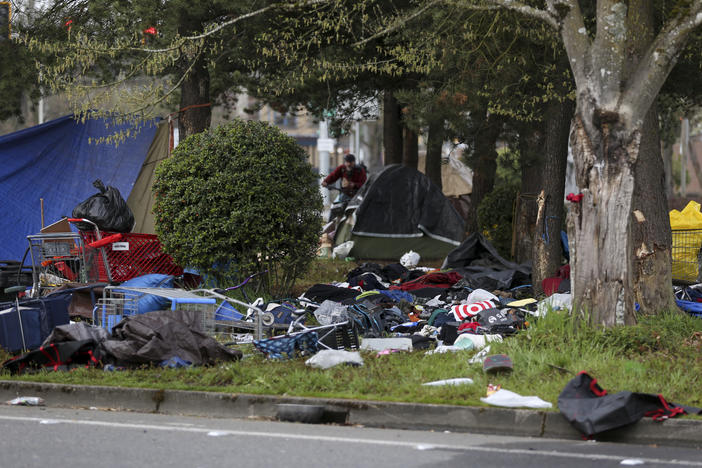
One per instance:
(342, 250)
(510, 399)
(479, 341)
(480, 356)
(327, 358)
(331, 312)
(480, 295)
(26, 401)
(441, 349)
(554, 302)
(410, 259)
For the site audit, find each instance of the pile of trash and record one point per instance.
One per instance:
(476, 298)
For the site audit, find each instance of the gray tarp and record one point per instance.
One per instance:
(148, 338)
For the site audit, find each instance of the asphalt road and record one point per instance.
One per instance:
(41, 437)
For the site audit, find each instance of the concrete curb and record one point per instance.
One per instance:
(381, 414)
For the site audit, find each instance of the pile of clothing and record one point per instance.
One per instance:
(429, 306)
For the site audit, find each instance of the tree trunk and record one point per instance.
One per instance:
(410, 149)
(547, 252)
(651, 236)
(435, 141)
(392, 129)
(650, 223)
(196, 111)
(668, 168)
(484, 163)
(532, 161)
(605, 153)
(616, 229)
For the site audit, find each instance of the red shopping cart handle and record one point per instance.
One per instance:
(107, 240)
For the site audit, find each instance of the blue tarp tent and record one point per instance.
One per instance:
(55, 161)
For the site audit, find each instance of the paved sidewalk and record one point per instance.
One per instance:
(529, 423)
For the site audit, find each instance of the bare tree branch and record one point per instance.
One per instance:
(219, 27)
(655, 66)
(527, 10)
(574, 36)
(397, 24)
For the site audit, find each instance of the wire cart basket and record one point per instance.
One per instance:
(62, 257)
(685, 251)
(118, 302)
(202, 309)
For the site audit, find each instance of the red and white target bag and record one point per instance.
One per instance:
(464, 311)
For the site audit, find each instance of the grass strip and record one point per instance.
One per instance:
(661, 354)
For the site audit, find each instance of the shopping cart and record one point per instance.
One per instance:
(62, 257)
(129, 254)
(201, 309)
(228, 320)
(685, 250)
(118, 302)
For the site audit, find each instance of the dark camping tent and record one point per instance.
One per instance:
(58, 162)
(477, 260)
(399, 210)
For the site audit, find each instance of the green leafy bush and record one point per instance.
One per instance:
(495, 214)
(238, 200)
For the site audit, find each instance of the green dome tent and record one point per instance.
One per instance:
(399, 210)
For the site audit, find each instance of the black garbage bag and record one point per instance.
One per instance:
(107, 209)
(592, 410)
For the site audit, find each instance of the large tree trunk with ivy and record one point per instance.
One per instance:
(547, 252)
(410, 149)
(435, 140)
(392, 129)
(196, 111)
(483, 161)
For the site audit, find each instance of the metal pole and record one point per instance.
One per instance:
(324, 159)
(357, 140)
(40, 110)
(684, 145)
(41, 204)
(19, 317)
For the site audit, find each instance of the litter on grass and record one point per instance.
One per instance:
(508, 399)
(457, 381)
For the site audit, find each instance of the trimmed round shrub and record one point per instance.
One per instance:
(237, 200)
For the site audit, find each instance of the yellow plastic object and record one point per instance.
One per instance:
(686, 228)
(522, 302)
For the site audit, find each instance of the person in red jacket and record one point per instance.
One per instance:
(352, 176)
